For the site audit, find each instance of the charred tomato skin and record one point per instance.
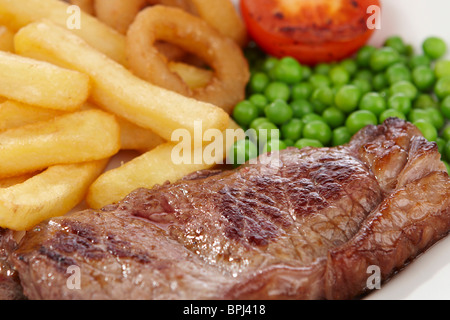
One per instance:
(311, 32)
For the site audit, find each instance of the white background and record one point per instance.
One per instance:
(428, 277)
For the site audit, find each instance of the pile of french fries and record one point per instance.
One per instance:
(68, 105)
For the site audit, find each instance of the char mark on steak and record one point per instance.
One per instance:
(302, 227)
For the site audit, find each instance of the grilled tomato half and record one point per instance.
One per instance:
(311, 31)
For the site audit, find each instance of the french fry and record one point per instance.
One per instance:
(155, 167)
(16, 14)
(54, 192)
(115, 88)
(6, 39)
(14, 114)
(12, 181)
(85, 5)
(76, 137)
(133, 137)
(112, 44)
(42, 84)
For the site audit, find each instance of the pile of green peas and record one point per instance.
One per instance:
(326, 104)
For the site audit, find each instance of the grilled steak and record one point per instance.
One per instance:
(300, 224)
(10, 288)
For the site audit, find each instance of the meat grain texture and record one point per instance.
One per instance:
(300, 224)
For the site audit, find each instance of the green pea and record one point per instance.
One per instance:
(311, 117)
(289, 142)
(442, 68)
(364, 54)
(446, 134)
(359, 119)
(436, 117)
(405, 87)
(334, 117)
(396, 42)
(274, 145)
(398, 72)
(341, 136)
(391, 113)
(260, 101)
(428, 130)
(423, 77)
(442, 87)
(322, 68)
(277, 90)
(380, 81)
(288, 70)
(363, 85)
(318, 130)
(419, 114)
(292, 130)
(382, 58)
(258, 121)
(269, 63)
(364, 74)
(301, 107)
(447, 151)
(441, 145)
(241, 152)
(409, 51)
(307, 72)
(303, 143)
(424, 101)
(245, 112)
(434, 47)
(419, 60)
(339, 75)
(302, 90)
(279, 112)
(347, 98)
(323, 95)
(445, 107)
(319, 80)
(350, 65)
(259, 82)
(400, 102)
(373, 102)
(267, 131)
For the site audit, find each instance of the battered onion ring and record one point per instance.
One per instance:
(221, 14)
(231, 74)
(119, 14)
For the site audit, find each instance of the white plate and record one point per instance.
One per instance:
(428, 277)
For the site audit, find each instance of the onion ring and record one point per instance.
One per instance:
(221, 14)
(119, 14)
(193, 34)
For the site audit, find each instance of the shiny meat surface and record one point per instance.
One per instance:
(301, 224)
(10, 288)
